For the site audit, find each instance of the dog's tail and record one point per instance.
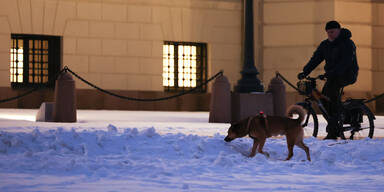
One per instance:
(296, 109)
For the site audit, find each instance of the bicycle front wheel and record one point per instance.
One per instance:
(363, 128)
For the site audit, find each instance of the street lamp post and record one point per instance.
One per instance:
(249, 81)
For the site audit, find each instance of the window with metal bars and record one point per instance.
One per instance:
(34, 60)
(184, 66)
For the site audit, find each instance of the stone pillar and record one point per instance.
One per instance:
(220, 106)
(65, 99)
(277, 88)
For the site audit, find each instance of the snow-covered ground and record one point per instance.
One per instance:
(173, 151)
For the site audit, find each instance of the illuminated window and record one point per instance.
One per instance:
(184, 65)
(34, 60)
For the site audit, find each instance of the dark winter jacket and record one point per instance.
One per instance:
(340, 58)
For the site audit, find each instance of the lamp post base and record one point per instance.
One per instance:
(248, 85)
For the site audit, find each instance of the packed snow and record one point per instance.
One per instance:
(173, 151)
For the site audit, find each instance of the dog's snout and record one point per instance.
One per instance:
(228, 139)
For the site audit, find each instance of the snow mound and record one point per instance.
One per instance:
(147, 155)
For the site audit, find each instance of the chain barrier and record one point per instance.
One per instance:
(298, 90)
(139, 99)
(32, 90)
(289, 83)
(374, 99)
(66, 69)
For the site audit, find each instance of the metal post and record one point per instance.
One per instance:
(249, 82)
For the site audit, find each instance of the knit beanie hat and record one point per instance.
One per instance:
(332, 25)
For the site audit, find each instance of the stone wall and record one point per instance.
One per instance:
(117, 44)
(378, 47)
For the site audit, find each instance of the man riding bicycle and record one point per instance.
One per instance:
(341, 69)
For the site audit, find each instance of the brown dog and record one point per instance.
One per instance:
(260, 127)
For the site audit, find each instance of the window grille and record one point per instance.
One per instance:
(34, 60)
(184, 66)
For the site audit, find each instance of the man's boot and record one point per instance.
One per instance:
(331, 130)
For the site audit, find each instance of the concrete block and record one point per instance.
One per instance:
(114, 47)
(226, 51)
(162, 16)
(69, 45)
(101, 29)
(94, 78)
(281, 58)
(361, 34)
(140, 48)
(77, 63)
(4, 61)
(152, 66)
(286, 12)
(114, 81)
(89, 10)
(114, 12)
(49, 16)
(89, 46)
(37, 8)
(223, 18)
(220, 35)
(5, 29)
(364, 57)
(377, 36)
(363, 83)
(139, 14)
(250, 104)
(157, 83)
(7, 8)
(139, 82)
(25, 15)
(127, 30)
(45, 113)
(127, 65)
(4, 78)
(76, 28)
(157, 48)
(194, 25)
(378, 85)
(101, 64)
(345, 11)
(378, 60)
(5, 44)
(380, 13)
(65, 10)
(289, 35)
(151, 32)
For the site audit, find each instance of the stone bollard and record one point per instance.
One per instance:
(277, 88)
(65, 99)
(220, 106)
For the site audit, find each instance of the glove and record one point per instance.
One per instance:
(301, 75)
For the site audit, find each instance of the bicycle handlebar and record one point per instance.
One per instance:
(321, 77)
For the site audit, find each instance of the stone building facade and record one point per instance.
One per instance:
(118, 44)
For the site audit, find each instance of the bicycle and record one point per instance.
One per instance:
(354, 118)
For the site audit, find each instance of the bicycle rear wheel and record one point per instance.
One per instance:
(363, 129)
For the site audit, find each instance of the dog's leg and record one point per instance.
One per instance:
(261, 145)
(290, 144)
(305, 148)
(254, 147)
